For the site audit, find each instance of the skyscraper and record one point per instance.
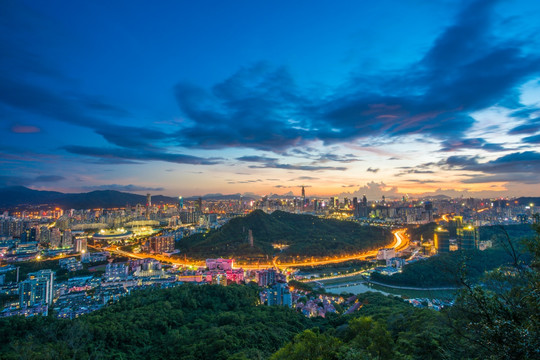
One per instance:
(37, 289)
(442, 240)
(467, 237)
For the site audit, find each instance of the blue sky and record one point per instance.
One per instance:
(183, 97)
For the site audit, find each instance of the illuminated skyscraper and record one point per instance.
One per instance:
(442, 240)
(37, 289)
(467, 237)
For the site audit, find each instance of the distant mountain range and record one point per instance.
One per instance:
(20, 196)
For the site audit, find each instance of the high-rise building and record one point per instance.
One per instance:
(37, 289)
(279, 294)
(467, 237)
(161, 244)
(67, 239)
(199, 204)
(81, 245)
(55, 238)
(442, 240)
(180, 203)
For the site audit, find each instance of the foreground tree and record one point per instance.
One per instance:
(499, 318)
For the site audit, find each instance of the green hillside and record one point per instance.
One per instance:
(305, 235)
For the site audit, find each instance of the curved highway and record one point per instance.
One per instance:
(401, 242)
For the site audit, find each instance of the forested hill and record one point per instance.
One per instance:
(305, 236)
(194, 322)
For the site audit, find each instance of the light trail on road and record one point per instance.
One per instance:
(401, 242)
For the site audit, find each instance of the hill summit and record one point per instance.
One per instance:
(290, 235)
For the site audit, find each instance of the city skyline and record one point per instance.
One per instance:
(188, 99)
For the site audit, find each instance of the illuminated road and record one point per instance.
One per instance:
(401, 242)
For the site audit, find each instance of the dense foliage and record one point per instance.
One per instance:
(423, 232)
(185, 322)
(383, 328)
(305, 236)
(446, 269)
(499, 233)
(500, 318)
(216, 322)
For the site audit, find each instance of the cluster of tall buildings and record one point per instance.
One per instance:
(456, 236)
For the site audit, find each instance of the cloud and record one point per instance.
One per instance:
(244, 181)
(521, 167)
(417, 181)
(25, 129)
(255, 158)
(476, 143)
(119, 154)
(415, 171)
(290, 186)
(257, 107)
(304, 178)
(369, 169)
(28, 181)
(118, 187)
(268, 162)
(298, 167)
(532, 139)
(374, 191)
(524, 178)
(468, 68)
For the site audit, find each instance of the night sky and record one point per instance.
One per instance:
(196, 97)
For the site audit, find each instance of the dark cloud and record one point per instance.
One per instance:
(111, 154)
(466, 69)
(520, 167)
(476, 143)
(524, 178)
(255, 158)
(532, 139)
(304, 178)
(298, 167)
(132, 137)
(268, 162)
(14, 181)
(253, 108)
(416, 171)
(369, 169)
(28, 181)
(118, 187)
(529, 128)
(347, 158)
(25, 129)
(243, 181)
(417, 181)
